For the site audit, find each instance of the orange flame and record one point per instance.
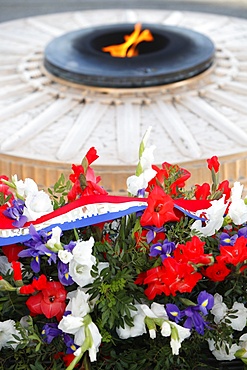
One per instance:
(129, 47)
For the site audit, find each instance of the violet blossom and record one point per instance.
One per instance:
(15, 212)
(163, 250)
(36, 247)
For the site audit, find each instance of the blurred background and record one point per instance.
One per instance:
(14, 9)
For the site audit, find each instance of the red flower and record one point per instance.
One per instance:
(180, 277)
(192, 252)
(177, 174)
(17, 270)
(170, 278)
(91, 155)
(160, 209)
(234, 254)
(213, 163)
(156, 285)
(84, 179)
(225, 189)
(12, 251)
(202, 192)
(217, 272)
(50, 301)
(36, 285)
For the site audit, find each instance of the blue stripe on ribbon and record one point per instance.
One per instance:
(83, 222)
(88, 221)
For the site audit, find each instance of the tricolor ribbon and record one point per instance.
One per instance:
(86, 211)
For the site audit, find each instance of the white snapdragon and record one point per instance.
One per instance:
(23, 188)
(222, 351)
(79, 324)
(214, 218)
(242, 351)
(178, 335)
(151, 317)
(219, 309)
(7, 332)
(37, 204)
(237, 209)
(144, 172)
(236, 320)
(138, 327)
(82, 262)
(65, 256)
(135, 183)
(54, 242)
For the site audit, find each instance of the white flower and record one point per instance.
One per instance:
(222, 313)
(158, 313)
(239, 322)
(144, 171)
(236, 191)
(178, 334)
(5, 266)
(221, 354)
(237, 209)
(36, 205)
(147, 158)
(135, 183)
(23, 188)
(138, 327)
(242, 352)
(81, 265)
(65, 256)
(54, 241)
(219, 309)
(79, 323)
(7, 330)
(215, 218)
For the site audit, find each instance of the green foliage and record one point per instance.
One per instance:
(4, 198)
(59, 192)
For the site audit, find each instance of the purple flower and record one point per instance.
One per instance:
(226, 239)
(174, 312)
(36, 247)
(163, 250)
(16, 213)
(205, 302)
(194, 319)
(69, 342)
(50, 331)
(63, 273)
(152, 232)
(243, 232)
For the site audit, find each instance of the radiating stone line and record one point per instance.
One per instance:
(226, 99)
(128, 131)
(204, 110)
(81, 130)
(55, 111)
(22, 105)
(176, 128)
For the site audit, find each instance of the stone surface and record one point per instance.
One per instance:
(45, 119)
